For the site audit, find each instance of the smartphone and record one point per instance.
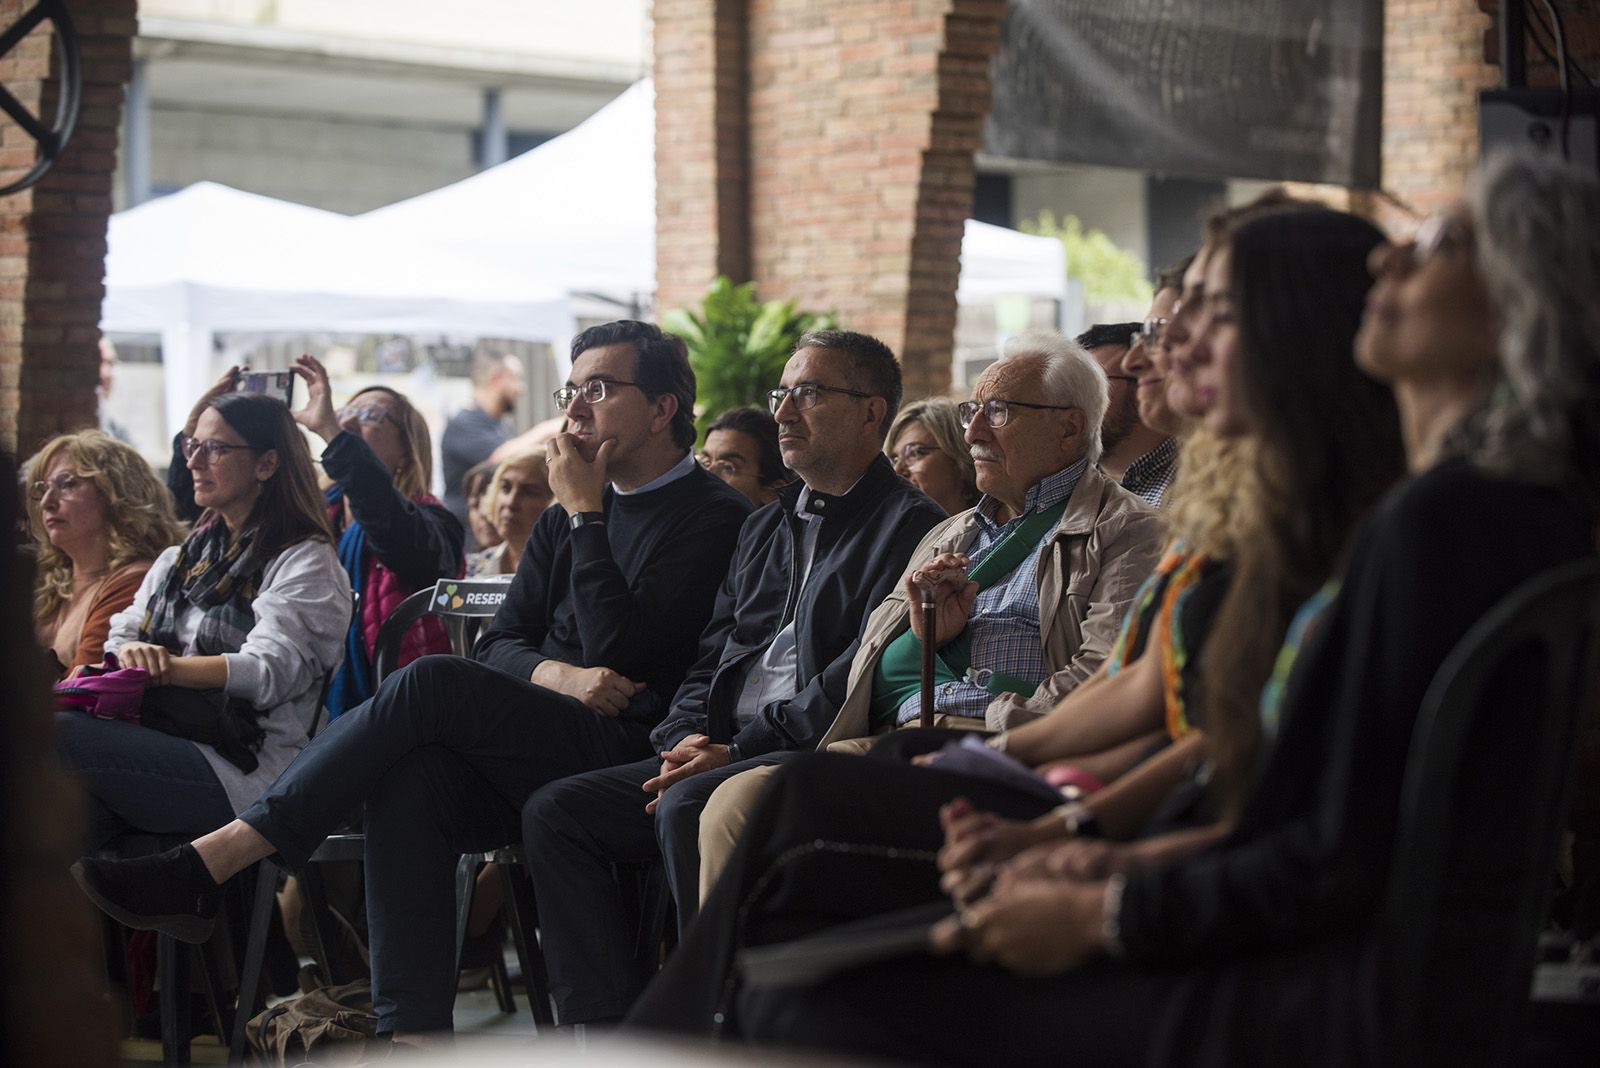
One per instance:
(278, 384)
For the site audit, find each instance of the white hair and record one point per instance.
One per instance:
(1068, 376)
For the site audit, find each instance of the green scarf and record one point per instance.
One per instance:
(899, 673)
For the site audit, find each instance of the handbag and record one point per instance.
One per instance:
(209, 717)
(105, 691)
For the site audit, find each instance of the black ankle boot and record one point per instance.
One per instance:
(170, 892)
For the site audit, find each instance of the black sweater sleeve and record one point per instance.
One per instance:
(420, 543)
(623, 624)
(514, 642)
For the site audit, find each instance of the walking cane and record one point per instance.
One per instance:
(929, 616)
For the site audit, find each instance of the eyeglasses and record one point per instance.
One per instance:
(912, 451)
(1150, 332)
(1439, 233)
(998, 411)
(594, 391)
(806, 395)
(64, 485)
(720, 468)
(209, 451)
(365, 414)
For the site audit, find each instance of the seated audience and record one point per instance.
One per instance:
(742, 450)
(1178, 664)
(596, 633)
(1144, 361)
(476, 484)
(1057, 552)
(99, 518)
(394, 537)
(1269, 944)
(518, 494)
(771, 673)
(926, 447)
(1140, 457)
(247, 616)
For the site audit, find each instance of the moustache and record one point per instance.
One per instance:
(988, 455)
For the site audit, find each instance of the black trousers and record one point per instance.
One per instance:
(574, 830)
(444, 755)
(834, 839)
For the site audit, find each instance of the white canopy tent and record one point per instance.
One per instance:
(578, 213)
(211, 259)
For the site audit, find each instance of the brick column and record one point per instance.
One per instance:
(863, 117)
(702, 192)
(53, 235)
(1433, 67)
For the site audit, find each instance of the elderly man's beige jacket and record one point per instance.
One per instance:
(1105, 545)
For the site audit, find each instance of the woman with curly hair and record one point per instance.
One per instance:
(99, 517)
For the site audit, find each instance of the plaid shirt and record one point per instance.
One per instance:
(1149, 477)
(1005, 616)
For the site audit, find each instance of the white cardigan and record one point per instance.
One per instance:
(302, 615)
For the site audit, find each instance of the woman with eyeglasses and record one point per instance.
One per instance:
(927, 447)
(742, 449)
(99, 517)
(1277, 943)
(518, 494)
(394, 536)
(237, 628)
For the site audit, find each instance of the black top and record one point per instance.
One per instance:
(468, 439)
(1310, 858)
(631, 594)
(863, 547)
(420, 542)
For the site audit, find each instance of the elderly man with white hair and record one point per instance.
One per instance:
(1031, 585)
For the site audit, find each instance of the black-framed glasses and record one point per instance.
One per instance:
(365, 414)
(1151, 331)
(594, 391)
(64, 484)
(208, 451)
(997, 410)
(806, 395)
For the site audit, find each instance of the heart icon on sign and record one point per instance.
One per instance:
(444, 598)
(456, 602)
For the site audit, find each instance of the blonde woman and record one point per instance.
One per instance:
(928, 448)
(100, 517)
(517, 495)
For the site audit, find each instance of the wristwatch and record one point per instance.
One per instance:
(583, 519)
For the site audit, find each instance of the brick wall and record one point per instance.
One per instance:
(862, 120)
(53, 235)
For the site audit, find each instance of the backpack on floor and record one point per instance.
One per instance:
(335, 1022)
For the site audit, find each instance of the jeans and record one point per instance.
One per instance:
(140, 780)
(444, 755)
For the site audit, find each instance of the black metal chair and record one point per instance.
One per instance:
(1543, 639)
(464, 606)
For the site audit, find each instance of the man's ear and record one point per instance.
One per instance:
(878, 412)
(666, 408)
(1073, 427)
(266, 465)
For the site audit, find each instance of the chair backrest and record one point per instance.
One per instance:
(464, 606)
(1545, 636)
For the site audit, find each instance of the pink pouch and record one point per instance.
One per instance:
(105, 691)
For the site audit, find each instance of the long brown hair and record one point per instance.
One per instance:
(290, 508)
(1327, 447)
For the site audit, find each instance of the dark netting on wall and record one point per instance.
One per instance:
(1272, 89)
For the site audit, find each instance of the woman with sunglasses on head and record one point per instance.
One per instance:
(394, 536)
(237, 628)
(1272, 944)
(99, 518)
(927, 447)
